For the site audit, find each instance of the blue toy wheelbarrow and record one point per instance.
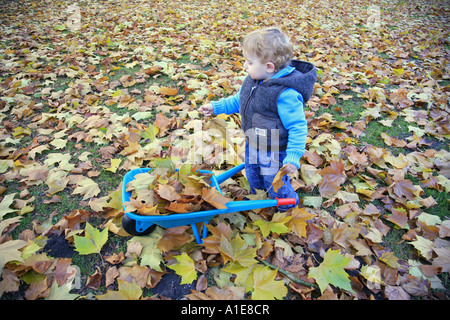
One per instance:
(138, 225)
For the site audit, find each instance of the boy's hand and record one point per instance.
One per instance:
(207, 110)
(289, 168)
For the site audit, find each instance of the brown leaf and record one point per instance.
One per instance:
(402, 190)
(163, 124)
(37, 290)
(137, 273)
(167, 192)
(116, 258)
(111, 274)
(127, 81)
(398, 217)
(333, 177)
(202, 283)
(168, 91)
(152, 70)
(393, 141)
(94, 280)
(278, 180)
(180, 207)
(174, 238)
(212, 243)
(63, 271)
(212, 196)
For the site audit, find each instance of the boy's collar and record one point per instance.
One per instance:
(282, 73)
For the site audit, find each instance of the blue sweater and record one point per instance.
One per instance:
(290, 110)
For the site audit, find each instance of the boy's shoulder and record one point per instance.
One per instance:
(301, 78)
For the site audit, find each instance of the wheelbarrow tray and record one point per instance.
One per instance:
(143, 223)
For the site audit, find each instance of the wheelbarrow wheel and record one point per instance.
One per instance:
(130, 226)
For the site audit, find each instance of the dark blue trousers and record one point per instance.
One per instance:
(261, 168)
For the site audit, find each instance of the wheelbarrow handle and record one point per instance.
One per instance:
(286, 201)
(235, 206)
(228, 174)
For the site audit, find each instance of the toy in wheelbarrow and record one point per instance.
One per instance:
(139, 225)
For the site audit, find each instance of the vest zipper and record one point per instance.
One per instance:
(248, 100)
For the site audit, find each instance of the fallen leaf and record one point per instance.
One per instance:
(331, 271)
(184, 268)
(92, 242)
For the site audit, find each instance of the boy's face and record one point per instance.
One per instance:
(256, 69)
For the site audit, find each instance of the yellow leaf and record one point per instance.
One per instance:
(331, 271)
(185, 268)
(57, 181)
(298, 222)
(276, 225)
(115, 163)
(373, 276)
(263, 284)
(127, 291)
(19, 131)
(238, 252)
(424, 246)
(88, 187)
(5, 205)
(59, 143)
(98, 204)
(399, 72)
(9, 251)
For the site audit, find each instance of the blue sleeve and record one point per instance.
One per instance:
(227, 105)
(292, 115)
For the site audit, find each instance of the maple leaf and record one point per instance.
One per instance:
(238, 252)
(398, 217)
(277, 182)
(5, 205)
(212, 242)
(331, 271)
(88, 187)
(185, 268)
(373, 276)
(150, 255)
(168, 91)
(127, 291)
(310, 174)
(173, 238)
(332, 178)
(9, 251)
(424, 246)
(92, 242)
(390, 260)
(114, 165)
(61, 292)
(443, 259)
(277, 224)
(263, 286)
(402, 190)
(57, 181)
(298, 222)
(212, 196)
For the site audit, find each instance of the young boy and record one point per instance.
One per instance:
(270, 102)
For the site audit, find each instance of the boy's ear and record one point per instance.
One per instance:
(270, 67)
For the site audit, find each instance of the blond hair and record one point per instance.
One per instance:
(269, 45)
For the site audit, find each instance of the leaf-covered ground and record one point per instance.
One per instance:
(89, 91)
